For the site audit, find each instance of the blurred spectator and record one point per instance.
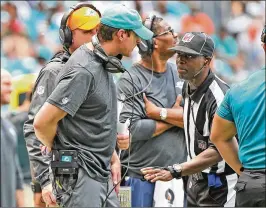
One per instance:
(178, 8)
(21, 96)
(249, 44)
(11, 175)
(26, 45)
(239, 20)
(15, 25)
(225, 45)
(197, 21)
(162, 11)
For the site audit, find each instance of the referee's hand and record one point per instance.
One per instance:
(156, 174)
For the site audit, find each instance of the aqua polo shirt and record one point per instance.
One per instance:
(244, 104)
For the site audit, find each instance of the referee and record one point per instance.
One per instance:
(211, 180)
(243, 111)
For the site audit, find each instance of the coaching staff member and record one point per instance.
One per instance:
(242, 112)
(154, 143)
(81, 28)
(82, 109)
(210, 180)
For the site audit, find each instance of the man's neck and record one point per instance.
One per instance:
(156, 64)
(109, 48)
(71, 50)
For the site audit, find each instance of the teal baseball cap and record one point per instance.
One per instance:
(120, 17)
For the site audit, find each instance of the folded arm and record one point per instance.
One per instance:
(174, 114)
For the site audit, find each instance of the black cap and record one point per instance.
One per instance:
(195, 43)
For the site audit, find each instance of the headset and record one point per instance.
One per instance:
(206, 62)
(147, 46)
(65, 33)
(263, 35)
(111, 63)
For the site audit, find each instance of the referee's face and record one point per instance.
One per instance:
(188, 65)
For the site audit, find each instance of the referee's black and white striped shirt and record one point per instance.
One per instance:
(199, 109)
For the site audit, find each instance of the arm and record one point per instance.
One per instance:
(40, 163)
(19, 184)
(141, 127)
(222, 135)
(174, 114)
(20, 198)
(223, 132)
(161, 127)
(116, 170)
(199, 163)
(67, 97)
(205, 159)
(45, 123)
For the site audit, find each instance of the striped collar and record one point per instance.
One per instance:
(202, 89)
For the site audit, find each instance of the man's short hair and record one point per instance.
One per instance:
(105, 33)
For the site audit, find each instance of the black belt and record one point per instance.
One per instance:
(255, 170)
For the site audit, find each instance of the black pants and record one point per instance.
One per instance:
(250, 189)
(199, 194)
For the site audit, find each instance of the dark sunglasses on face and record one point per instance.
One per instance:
(165, 32)
(187, 56)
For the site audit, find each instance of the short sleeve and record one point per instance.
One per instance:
(72, 89)
(224, 110)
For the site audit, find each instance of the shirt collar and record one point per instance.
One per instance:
(202, 89)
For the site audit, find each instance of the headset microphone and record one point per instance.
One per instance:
(199, 71)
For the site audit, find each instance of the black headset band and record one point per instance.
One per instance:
(149, 22)
(111, 64)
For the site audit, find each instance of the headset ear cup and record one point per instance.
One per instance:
(151, 46)
(68, 37)
(61, 36)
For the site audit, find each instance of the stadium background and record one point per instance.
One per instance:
(29, 35)
(29, 32)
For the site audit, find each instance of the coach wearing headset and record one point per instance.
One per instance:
(77, 27)
(82, 109)
(153, 143)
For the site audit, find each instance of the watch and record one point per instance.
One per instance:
(176, 171)
(35, 187)
(163, 114)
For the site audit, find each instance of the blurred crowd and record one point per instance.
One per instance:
(29, 31)
(30, 37)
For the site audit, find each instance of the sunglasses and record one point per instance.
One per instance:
(187, 56)
(165, 32)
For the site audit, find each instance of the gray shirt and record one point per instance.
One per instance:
(11, 174)
(86, 91)
(162, 150)
(43, 88)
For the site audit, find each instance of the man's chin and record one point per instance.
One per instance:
(182, 76)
